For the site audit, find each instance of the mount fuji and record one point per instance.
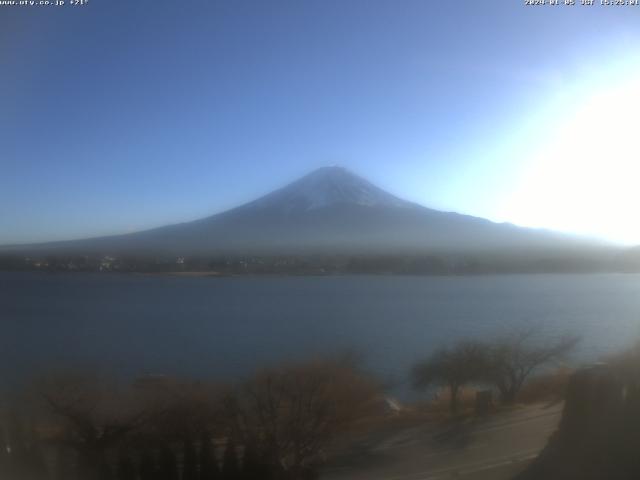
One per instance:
(329, 211)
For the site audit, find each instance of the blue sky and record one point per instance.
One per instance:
(123, 115)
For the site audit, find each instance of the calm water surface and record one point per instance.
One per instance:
(222, 327)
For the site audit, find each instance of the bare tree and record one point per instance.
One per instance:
(293, 412)
(93, 417)
(453, 368)
(514, 358)
(183, 409)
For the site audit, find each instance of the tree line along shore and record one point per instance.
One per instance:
(437, 263)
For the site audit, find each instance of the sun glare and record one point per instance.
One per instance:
(585, 177)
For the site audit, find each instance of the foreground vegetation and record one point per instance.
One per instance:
(277, 425)
(273, 426)
(504, 365)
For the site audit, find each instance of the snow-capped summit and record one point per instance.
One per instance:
(327, 186)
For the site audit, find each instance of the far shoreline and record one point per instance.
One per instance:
(216, 274)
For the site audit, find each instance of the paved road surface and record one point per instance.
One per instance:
(493, 449)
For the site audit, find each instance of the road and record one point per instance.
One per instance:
(495, 448)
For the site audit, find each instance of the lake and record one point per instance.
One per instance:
(226, 327)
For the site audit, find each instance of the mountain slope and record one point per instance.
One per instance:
(331, 210)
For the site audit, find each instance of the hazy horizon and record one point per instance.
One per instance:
(120, 117)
